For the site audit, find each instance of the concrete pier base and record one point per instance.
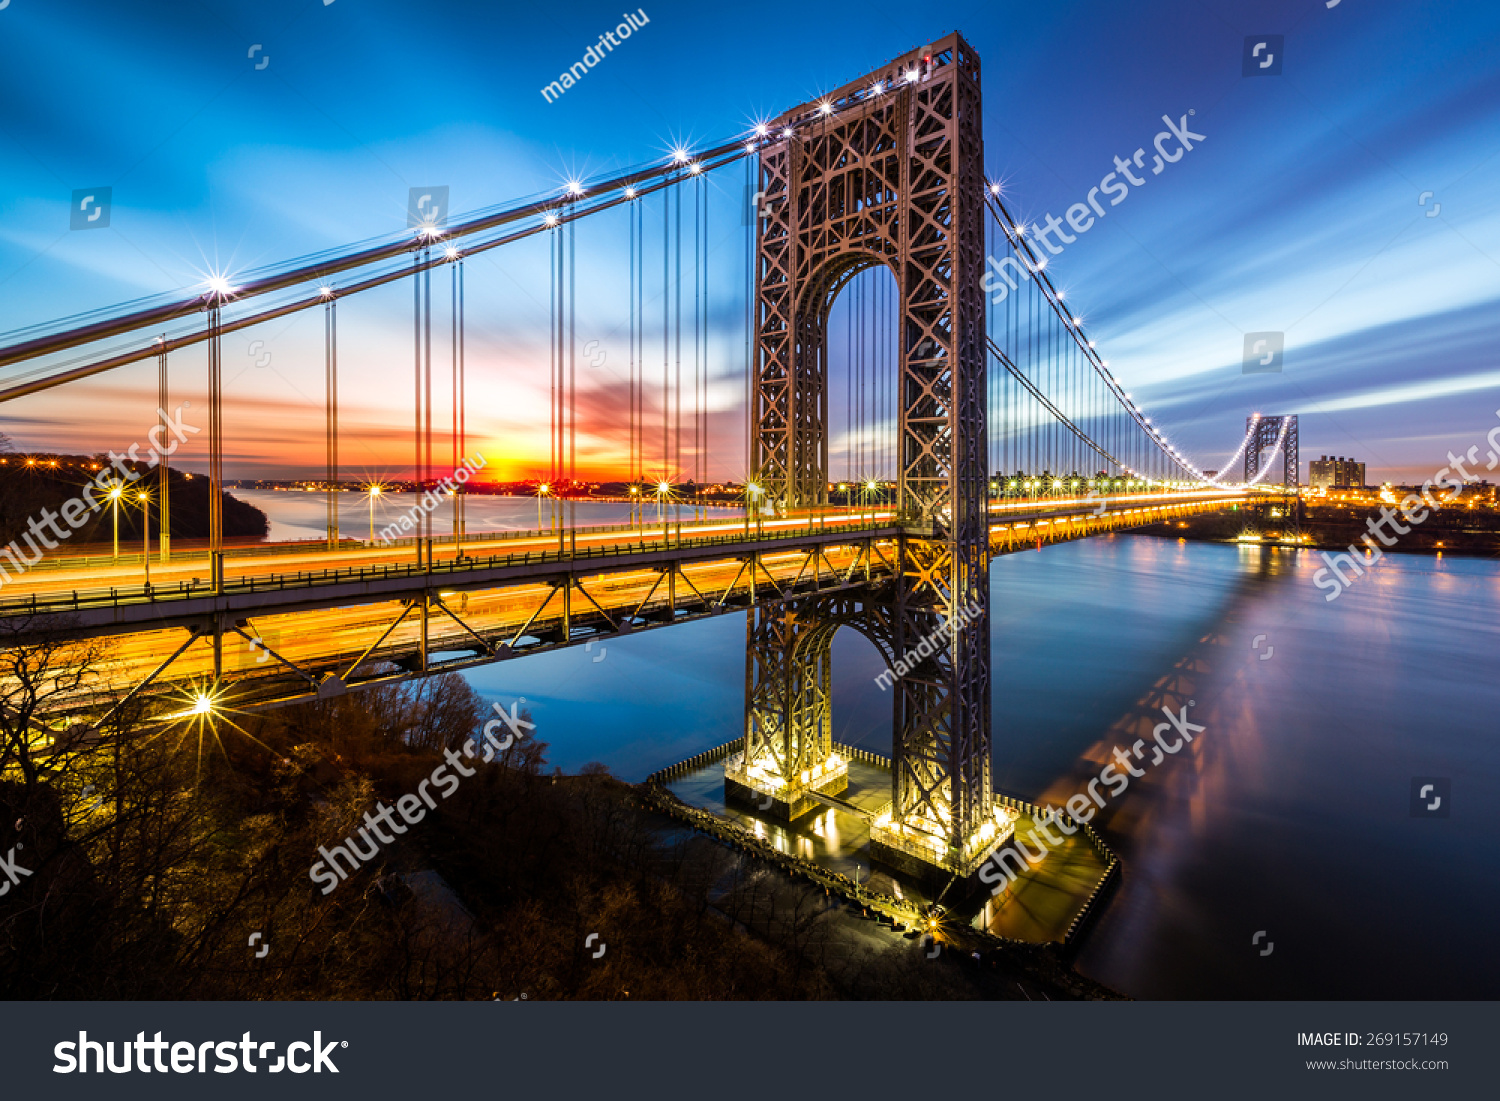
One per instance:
(781, 808)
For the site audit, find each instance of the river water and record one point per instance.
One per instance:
(1290, 814)
(296, 514)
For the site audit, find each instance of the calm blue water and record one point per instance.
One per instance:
(1291, 811)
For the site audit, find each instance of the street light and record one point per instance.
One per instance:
(373, 493)
(752, 505)
(114, 501)
(542, 490)
(663, 492)
(145, 500)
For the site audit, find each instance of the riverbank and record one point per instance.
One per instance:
(1456, 529)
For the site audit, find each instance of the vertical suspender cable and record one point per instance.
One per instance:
(463, 409)
(453, 388)
(677, 346)
(165, 538)
(666, 334)
(698, 440)
(572, 375)
(215, 466)
(635, 321)
(558, 310)
(331, 409)
(427, 401)
(752, 232)
(705, 451)
(416, 340)
(866, 421)
(849, 413)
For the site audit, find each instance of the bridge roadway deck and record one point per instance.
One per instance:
(356, 612)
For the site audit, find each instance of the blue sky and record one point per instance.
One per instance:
(1299, 212)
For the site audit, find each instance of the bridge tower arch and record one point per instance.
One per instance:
(889, 170)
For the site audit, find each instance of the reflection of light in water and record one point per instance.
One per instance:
(760, 828)
(831, 834)
(805, 848)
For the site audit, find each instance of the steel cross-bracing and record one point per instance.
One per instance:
(894, 180)
(1273, 433)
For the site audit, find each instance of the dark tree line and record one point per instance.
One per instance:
(152, 852)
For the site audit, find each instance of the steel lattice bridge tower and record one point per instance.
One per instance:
(1279, 433)
(896, 181)
(883, 175)
(1276, 433)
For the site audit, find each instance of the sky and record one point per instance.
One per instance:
(1347, 198)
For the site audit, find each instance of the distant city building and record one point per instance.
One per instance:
(1335, 473)
(1210, 473)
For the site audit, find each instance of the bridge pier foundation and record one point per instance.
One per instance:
(788, 749)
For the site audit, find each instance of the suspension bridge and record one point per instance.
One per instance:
(902, 424)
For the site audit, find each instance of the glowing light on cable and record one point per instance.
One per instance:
(1228, 466)
(1280, 439)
